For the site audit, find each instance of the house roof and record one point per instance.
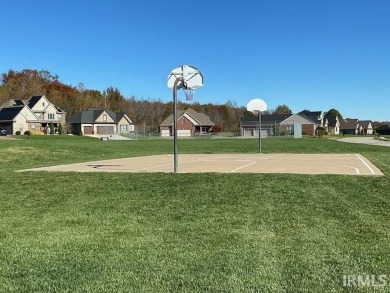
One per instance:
(311, 115)
(365, 123)
(90, 116)
(33, 100)
(8, 114)
(252, 120)
(300, 119)
(201, 118)
(59, 110)
(332, 120)
(13, 103)
(348, 125)
(351, 120)
(119, 116)
(384, 127)
(267, 117)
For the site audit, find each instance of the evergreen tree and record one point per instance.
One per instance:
(51, 128)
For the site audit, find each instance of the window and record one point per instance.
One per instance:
(50, 116)
(43, 104)
(104, 117)
(123, 128)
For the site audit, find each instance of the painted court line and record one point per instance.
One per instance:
(242, 167)
(154, 167)
(348, 164)
(357, 170)
(369, 168)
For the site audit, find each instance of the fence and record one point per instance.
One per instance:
(267, 130)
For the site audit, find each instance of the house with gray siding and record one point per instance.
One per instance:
(100, 122)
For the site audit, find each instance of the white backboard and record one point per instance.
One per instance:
(256, 105)
(189, 74)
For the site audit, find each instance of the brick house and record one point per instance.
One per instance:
(189, 122)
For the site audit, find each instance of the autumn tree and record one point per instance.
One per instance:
(335, 113)
(113, 99)
(72, 99)
(282, 109)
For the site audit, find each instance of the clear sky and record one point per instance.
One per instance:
(307, 54)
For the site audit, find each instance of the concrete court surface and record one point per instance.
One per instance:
(349, 164)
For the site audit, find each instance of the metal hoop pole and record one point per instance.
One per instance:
(259, 132)
(175, 157)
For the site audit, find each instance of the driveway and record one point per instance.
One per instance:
(365, 140)
(7, 137)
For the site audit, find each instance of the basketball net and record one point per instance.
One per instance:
(255, 112)
(189, 94)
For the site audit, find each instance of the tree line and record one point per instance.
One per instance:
(150, 112)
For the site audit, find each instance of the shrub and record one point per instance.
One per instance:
(60, 129)
(51, 125)
(17, 133)
(27, 132)
(321, 132)
(38, 133)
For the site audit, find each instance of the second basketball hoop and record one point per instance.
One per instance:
(256, 106)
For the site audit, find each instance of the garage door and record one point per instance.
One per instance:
(105, 130)
(7, 126)
(88, 130)
(183, 132)
(165, 132)
(247, 132)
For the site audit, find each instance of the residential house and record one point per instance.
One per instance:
(383, 129)
(189, 122)
(249, 124)
(100, 122)
(316, 116)
(366, 127)
(331, 124)
(309, 121)
(350, 126)
(34, 114)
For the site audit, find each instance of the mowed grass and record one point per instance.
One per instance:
(95, 232)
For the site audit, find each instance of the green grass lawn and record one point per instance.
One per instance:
(121, 232)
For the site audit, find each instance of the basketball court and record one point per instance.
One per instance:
(346, 164)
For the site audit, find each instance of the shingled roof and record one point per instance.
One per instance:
(348, 125)
(13, 103)
(332, 120)
(90, 116)
(201, 118)
(364, 123)
(33, 100)
(311, 115)
(8, 114)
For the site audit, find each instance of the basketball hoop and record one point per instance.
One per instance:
(189, 93)
(188, 78)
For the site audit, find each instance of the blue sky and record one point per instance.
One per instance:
(307, 54)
